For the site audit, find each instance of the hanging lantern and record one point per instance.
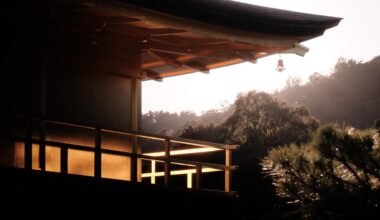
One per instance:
(280, 65)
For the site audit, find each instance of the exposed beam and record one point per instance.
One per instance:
(152, 75)
(221, 55)
(184, 50)
(247, 57)
(197, 66)
(210, 66)
(143, 31)
(298, 49)
(168, 60)
(189, 38)
(157, 63)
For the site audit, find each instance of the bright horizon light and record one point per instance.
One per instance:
(356, 37)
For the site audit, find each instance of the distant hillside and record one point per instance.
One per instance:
(350, 95)
(166, 123)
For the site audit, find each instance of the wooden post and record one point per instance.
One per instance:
(153, 171)
(167, 162)
(64, 160)
(28, 144)
(189, 180)
(98, 154)
(134, 160)
(136, 163)
(227, 172)
(198, 178)
(42, 150)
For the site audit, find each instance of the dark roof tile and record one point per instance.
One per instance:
(242, 16)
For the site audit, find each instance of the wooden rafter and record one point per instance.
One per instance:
(222, 55)
(188, 38)
(210, 66)
(143, 31)
(249, 57)
(112, 37)
(150, 74)
(197, 66)
(167, 59)
(157, 63)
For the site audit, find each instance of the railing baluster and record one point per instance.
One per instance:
(227, 172)
(198, 177)
(153, 171)
(28, 145)
(167, 162)
(98, 154)
(42, 150)
(134, 159)
(64, 159)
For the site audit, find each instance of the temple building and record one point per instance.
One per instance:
(71, 98)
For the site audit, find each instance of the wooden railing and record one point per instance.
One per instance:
(165, 157)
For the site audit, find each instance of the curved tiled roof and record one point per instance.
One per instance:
(153, 39)
(242, 16)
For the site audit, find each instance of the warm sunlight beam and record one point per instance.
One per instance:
(181, 172)
(182, 152)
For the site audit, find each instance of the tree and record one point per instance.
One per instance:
(259, 122)
(335, 176)
(166, 123)
(262, 122)
(349, 95)
(172, 124)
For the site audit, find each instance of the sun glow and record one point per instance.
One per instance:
(183, 152)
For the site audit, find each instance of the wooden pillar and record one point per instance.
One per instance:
(42, 126)
(167, 162)
(227, 172)
(43, 73)
(136, 164)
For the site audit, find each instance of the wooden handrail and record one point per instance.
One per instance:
(140, 134)
(97, 149)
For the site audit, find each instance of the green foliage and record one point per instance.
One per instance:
(166, 123)
(172, 124)
(349, 95)
(335, 176)
(210, 132)
(261, 122)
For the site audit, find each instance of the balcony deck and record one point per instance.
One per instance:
(31, 194)
(37, 147)
(41, 182)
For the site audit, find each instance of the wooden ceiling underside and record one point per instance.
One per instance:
(113, 38)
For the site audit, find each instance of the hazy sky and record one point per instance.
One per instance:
(356, 37)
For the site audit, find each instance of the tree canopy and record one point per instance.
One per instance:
(349, 95)
(166, 123)
(335, 176)
(259, 122)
